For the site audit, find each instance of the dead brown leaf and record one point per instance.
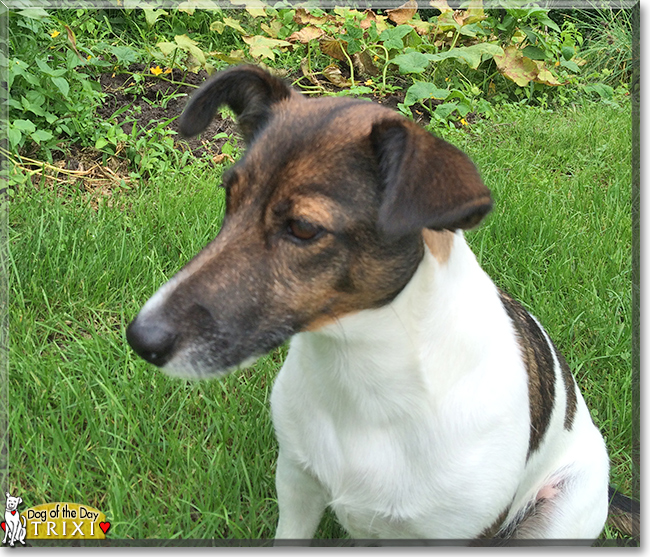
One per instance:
(306, 71)
(363, 63)
(303, 17)
(334, 75)
(404, 13)
(306, 34)
(333, 47)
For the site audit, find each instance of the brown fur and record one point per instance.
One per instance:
(439, 243)
(570, 389)
(491, 531)
(539, 365)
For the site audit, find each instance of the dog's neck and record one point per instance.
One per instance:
(425, 340)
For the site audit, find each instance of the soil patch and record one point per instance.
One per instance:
(158, 99)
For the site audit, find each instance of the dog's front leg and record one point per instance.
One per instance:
(301, 499)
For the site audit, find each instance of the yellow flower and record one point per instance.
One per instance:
(156, 70)
(464, 122)
(369, 82)
(168, 70)
(89, 57)
(54, 34)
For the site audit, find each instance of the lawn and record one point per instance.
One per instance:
(164, 458)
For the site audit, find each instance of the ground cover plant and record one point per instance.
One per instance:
(106, 203)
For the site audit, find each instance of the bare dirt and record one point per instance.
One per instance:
(163, 98)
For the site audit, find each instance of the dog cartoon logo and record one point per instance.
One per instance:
(15, 530)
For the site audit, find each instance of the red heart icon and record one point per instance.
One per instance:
(104, 526)
(13, 512)
(4, 525)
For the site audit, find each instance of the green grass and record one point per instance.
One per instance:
(92, 423)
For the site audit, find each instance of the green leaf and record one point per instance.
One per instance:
(101, 143)
(392, 38)
(530, 34)
(124, 54)
(218, 26)
(567, 52)
(468, 30)
(604, 91)
(41, 135)
(190, 46)
(353, 31)
(24, 125)
(34, 13)
(153, 15)
(569, 65)
(423, 90)
(534, 53)
(471, 55)
(66, 129)
(463, 109)
(14, 136)
(27, 106)
(444, 110)
(62, 85)
(549, 23)
(373, 35)
(412, 62)
(353, 46)
(166, 47)
(42, 65)
(234, 24)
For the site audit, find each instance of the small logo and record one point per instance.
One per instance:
(53, 521)
(15, 528)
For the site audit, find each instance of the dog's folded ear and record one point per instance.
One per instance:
(428, 183)
(248, 90)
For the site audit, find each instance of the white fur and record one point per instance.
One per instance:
(413, 421)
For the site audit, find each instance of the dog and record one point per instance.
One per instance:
(15, 530)
(418, 400)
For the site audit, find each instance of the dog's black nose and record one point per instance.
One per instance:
(153, 341)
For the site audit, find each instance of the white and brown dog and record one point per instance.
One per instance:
(417, 400)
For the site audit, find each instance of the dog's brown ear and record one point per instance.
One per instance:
(248, 90)
(428, 182)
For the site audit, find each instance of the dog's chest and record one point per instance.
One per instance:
(392, 463)
(414, 418)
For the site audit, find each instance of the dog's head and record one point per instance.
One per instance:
(324, 217)
(12, 502)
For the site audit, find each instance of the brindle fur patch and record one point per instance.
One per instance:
(538, 360)
(439, 243)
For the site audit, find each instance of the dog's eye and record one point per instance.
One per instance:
(303, 230)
